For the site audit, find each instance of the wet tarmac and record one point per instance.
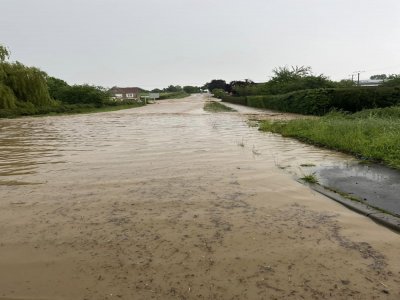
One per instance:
(375, 185)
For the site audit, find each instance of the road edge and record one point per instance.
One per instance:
(387, 220)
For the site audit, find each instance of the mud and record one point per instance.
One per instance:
(169, 202)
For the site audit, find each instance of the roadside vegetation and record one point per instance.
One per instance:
(29, 91)
(173, 95)
(177, 92)
(298, 90)
(212, 106)
(372, 134)
(360, 120)
(310, 178)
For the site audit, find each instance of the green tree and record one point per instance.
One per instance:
(392, 81)
(216, 84)
(83, 94)
(173, 89)
(344, 83)
(56, 87)
(4, 53)
(296, 78)
(191, 89)
(378, 77)
(20, 84)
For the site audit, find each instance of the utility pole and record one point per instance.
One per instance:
(358, 76)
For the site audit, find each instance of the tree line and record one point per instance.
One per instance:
(28, 90)
(287, 79)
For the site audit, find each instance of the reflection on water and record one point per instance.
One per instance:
(23, 146)
(377, 185)
(39, 150)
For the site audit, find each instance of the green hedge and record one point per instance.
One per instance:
(321, 101)
(235, 100)
(173, 95)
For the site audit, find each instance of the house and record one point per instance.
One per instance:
(125, 93)
(371, 82)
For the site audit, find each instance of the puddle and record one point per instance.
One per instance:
(375, 185)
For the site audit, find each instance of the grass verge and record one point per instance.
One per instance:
(64, 109)
(213, 106)
(173, 95)
(310, 178)
(370, 134)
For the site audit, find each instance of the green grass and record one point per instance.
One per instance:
(64, 109)
(310, 178)
(213, 106)
(372, 134)
(307, 165)
(174, 95)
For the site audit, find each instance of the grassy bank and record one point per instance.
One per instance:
(173, 95)
(64, 109)
(213, 106)
(370, 134)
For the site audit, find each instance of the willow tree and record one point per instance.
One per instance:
(21, 83)
(7, 97)
(28, 84)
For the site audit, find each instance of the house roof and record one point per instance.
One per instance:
(125, 90)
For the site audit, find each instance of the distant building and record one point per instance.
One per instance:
(371, 82)
(125, 93)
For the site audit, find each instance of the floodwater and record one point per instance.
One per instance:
(167, 201)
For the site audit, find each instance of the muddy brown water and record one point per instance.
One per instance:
(169, 202)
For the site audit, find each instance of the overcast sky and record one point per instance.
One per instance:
(154, 43)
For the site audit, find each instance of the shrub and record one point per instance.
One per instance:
(235, 100)
(321, 101)
(83, 94)
(219, 93)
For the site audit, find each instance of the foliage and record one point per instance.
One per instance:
(386, 113)
(56, 87)
(216, 84)
(175, 95)
(213, 106)
(296, 78)
(173, 89)
(378, 77)
(321, 101)
(310, 178)
(4, 53)
(63, 108)
(286, 74)
(393, 81)
(20, 83)
(7, 97)
(84, 94)
(372, 134)
(250, 89)
(235, 100)
(191, 89)
(219, 93)
(345, 83)
(29, 91)
(238, 84)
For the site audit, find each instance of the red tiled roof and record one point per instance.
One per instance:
(125, 90)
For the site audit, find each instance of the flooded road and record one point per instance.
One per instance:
(169, 202)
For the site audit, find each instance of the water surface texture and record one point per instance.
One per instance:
(169, 202)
